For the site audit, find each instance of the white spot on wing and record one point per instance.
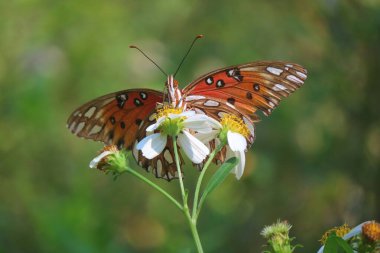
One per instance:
(109, 100)
(294, 79)
(90, 112)
(279, 87)
(72, 126)
(199, 111)
(143, 95)
(168, 157)
(211, 103)
(159, 168)
(230, 105)
(221, 114)
(275, 71)
(79, 127)
(300, 74)
(152, 117)
(194, 97)
(95, 129)
(248, 69)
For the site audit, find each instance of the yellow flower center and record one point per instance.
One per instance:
(339, 231)
(235, 124)
(166, 110)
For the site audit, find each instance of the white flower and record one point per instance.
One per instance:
(234, 131)
(176, 123)
(94, 162)
(100, 161)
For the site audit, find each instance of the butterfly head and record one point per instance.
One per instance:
(175, 93)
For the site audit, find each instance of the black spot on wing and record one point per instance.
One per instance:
(121, 99)
(231, 101)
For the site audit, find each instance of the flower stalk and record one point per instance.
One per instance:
(186, 210)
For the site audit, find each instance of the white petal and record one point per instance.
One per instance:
(207, 137)
(182, 114)
(154, 126)
(193, 148)
(239, 168)
(200, 123)
(237, 142)
(152, 145)
(214, 123)
(355, 231)
(96, 160)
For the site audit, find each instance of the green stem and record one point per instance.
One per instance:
(199, 182)
(194, 231)
(192, 223)
(179, 169)
(144, 179)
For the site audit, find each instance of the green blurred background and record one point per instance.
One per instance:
(315, 161)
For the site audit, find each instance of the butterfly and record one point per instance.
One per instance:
(121, 118)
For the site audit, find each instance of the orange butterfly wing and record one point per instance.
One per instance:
(242, 90)
(249, 87)
(115, 118)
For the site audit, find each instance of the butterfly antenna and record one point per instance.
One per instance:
(132, 46)
(187, 53)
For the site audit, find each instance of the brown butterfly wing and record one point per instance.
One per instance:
(115, 118)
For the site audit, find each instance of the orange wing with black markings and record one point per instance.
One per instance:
(249, 87)
(115, 118)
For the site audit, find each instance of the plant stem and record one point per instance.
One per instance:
(179, 170)
(193, 228)
(192, 222)
(199, 182)
(146, 180)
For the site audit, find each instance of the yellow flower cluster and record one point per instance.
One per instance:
(235, 124)
(339, 231)
(166, 110)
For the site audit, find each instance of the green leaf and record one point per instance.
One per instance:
(218, 178)
(334, 243)
(344, 245)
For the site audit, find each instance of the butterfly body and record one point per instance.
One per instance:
(122, 117)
